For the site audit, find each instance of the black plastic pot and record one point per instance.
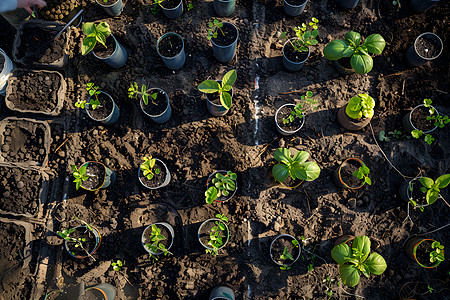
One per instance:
(414, 58)
(422, 5)
(118, 58)
(346, 4)
(173, 13)
(98, 241)
(224, 8)
(225, 53)
(108, 180)
(113, 9)
(174, 62)
(411, 250)
(112, 118)
(293, 66)
(294, 10)
(164, 116)
(341, 69)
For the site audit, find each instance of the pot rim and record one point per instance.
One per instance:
(294, 62)
(167, 35)
(103, 5)
(279, 127)
(296, 6)
(213, 220)
(410, 120)
(339, 173)
(112, 54)
(112, 111)
(235, 182)
(234, 42)
(410, 196)
(165, 224)
(293, 238)
(415, 258)
(432, 34)
(104, 178)
(141, 102)
(171, 9)
(98, 241)
(159, 186)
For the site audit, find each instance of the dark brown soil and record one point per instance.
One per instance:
(103, 110)
(225, 35)
(294, 55)
(222, 198)
(32, 41)
(423, 253)
(103, 52)
(419, 119)
(278, 248)
(57, 9)
(283, 114)
(347, 170)
(170, 46)
(156, 106)
(428, 46)
(2, 62)
(96, 173)
(170, 3)
(296, 2)
(35, 91)
(157, 179)
(88, 245)
(345, 62)
(164, 232)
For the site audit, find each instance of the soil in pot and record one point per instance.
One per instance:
(57, 9)
(88, 245)
(156, 106)
(423, 253)
(347, 170)
(428, 46)
(295, 2)
(157, 179)
(419, 119)
(294, 55)
(103, 110)
(170, 46)
(103, 52)
(96, 172)
(278, 248)
(16, 183)
(13, 243)
(33, 38)
(206, 230)
(164, 231)
(284, 113)
(169, 4)
(225, 35)
(35, 91)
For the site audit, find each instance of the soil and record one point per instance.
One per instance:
(107, 2)
(296, 2)
(347, 170)
(32, 41)
(103, 110)
(222, 198)
(157, 179)
(88, 244)
(170, 46)
(169, 4)
(428, 46)
(164, 232)
(35, 91)
(17, 183)
(419, 119)
(2, 62)
(225, 35)
(345, 62)
(423, 253)
(294, 55)
(284, 113)
(57, 9)
(278, 249)
(103, 52)
(196, 144)
(157, 106)
(96, 173)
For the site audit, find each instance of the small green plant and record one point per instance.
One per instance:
(297, 167)
(93, 91)
(396, 134)
(94, 33)
(212, 86)
(117, 266)
(147, 168)
(216, 234)
(430, 289)
(79, 174)
(432, 188)
(438, 252)
(212, 29)
(66, 234)
(355, 260)
(305, 38)
(328, 282)
(439, 121)
(360, 106)
(362, 173)
(222, 185)
(155, 246)
(299, 109)
(286, 255)
(351, 47)
(133, 92)
(190, 6)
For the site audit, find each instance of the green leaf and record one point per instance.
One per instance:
(229, 79)
(211, 195)
(225, 100)
(88, 44)
(375, 264)
(361, 63)
(362, 245)
(443, 181)
(88, 28)
(432, 196)
(349, 275)
(426, 182)
(312, 170)
(337, 49)
(375, 43)
(353, 37)
(209, 86)
(341, 253)
(301, 156)
(280, 172)
(282, 155)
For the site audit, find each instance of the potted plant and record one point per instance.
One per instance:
(170, 48)
(153, 173)
(213, 234)
(357, 113)
(428, 253)
(93, 176)
(222, 293)
(423, 191)
(6, 66)
(354, 259)
(427, 47)
(221, 186)
(111, 7)
(296, 51)
(171, 8)
(349, 53)
(100, 106)
(352, 174)
(103, 44)
(290, 118)
(81, 241)
(422, 5)
(154, 102)
(294, 8)
(284, 251)
(423, 120)
(157, 239)
(294, 167)
(224, 8)
(219, 93)
(347, 4)
(223, 37)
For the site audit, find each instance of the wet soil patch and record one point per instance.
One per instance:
(96, 173)
(419, 119)
(103, 110)
(57, 9)
(347, 170)
(33, 38)
(169, 4)
(157, 179)
(428, 46)
(164, 232)
(156, 106)
(103, 52)
(170, 46)
(294, 55)
(88, 243)
(284, 113)
(278, 248)
(225, 35)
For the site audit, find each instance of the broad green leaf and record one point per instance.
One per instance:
(282, 155)
(298, 172)
(361, 63)
(225, 100)
(337, 49)
(349, 275)
(375, 43)
(88, 44)
(432, 196)
(362, 245)
(426, 182)
(312, 170)
(229, 79)
(353, 108)
(375, 264)
(341, 253)
(301, 156)
(211, 195)
(280, 172)
(209, 86)
(88, 28)
(103, 29)
(353, 37)
(443, 181)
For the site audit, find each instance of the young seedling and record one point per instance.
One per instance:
(156, 246)
(212, 31)
(438, 252)
(222, 185)
(328, 282)
(117, 267)
(133, 92)
(305, 38)
(299, 109)
(94, 33)
(79, 174)
(216, 234)
(147, 168)
(287, 255)
(432, 188)
(94, 102)
(79, 242)
(362, 173)
(212, 86)
(190, 6)
(439, 121)
(297, 167)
